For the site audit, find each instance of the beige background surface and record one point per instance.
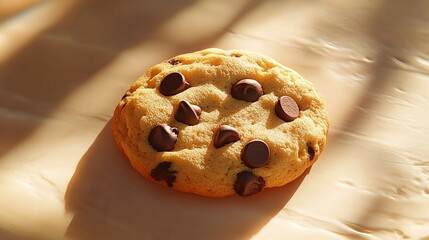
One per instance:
(65, 64)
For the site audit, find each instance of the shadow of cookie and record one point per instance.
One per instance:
(110, 200)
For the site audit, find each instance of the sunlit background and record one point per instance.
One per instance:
(64, 65)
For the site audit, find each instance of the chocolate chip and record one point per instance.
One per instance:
(188, 113)
(248, 90)
(163, 137)
(224, 135)
(287, 109)
(174, 61)
(247, 183)
(172, 84)
(162, 172)
(255, 153)
(311, 152)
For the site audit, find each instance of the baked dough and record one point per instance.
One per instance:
(218, 123)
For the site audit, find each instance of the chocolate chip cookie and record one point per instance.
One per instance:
(218, 123)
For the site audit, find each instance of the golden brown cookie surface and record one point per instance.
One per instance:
(218, 122)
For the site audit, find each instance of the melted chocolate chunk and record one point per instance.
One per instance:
(162, 172)
(247, 183)
(188, 113)
(311, 152)
(287, 109)
(163, 137)
(255, 154)
(174, 61)
(172, 84)
(248, 90)
(224, 135)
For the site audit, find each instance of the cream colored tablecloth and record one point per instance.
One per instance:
(65, 64)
